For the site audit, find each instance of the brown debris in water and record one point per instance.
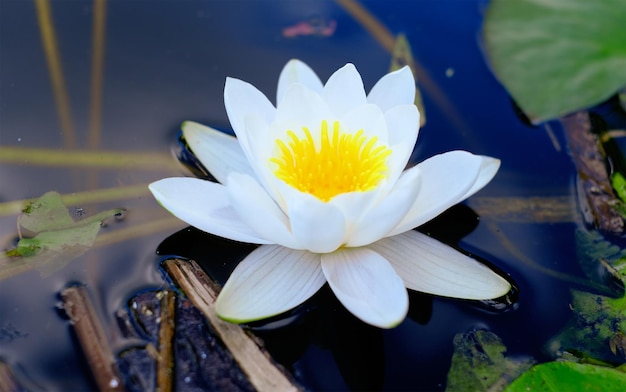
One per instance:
(596, 195)
(8, 383)
(92, 339)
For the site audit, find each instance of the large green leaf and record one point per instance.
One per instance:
(557, 56)
(569, 376)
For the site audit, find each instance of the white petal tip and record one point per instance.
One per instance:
(499, 287)
(366, 285)
(232, 317)
(440, 269)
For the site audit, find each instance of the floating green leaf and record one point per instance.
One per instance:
(57, 237)
(557, 56)
(479, 363)
(569, 376)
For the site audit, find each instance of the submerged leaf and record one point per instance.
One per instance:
(51, 250)
(479, 363)
(46, 213)
(597, 258)
(557, 56)
(57, 239)
(569, 376)
(50, 213)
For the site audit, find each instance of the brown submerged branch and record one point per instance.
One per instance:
(91, 337)
(596, 194)
(534, 209)
(167, 327)
(8, 383)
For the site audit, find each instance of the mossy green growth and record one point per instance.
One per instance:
(619, 185)
(479, 363)
(598, 324)
(618, 182)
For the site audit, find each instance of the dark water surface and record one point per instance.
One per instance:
(166, 62)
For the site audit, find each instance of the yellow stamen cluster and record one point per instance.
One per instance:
(342, 163)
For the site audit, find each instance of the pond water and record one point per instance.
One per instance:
(165, 62)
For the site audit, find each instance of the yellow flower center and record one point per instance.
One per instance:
(342, 162)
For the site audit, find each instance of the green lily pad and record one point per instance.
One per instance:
(479, 363)
(569, 376)
(557, 56)
(56, 237)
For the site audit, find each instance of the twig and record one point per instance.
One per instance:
(91, 337)
(167, 327)
(105, 160)
(253, 360)
(532, 209)
(7, 379)
(134, 231)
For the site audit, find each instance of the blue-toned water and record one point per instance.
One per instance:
(166, 62)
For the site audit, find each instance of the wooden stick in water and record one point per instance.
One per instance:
(91, 337)
(167, 328)
(255, 362)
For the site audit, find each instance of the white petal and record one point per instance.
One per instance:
(219, 153)
(403, 125)
(354, 204)
(379, 221)
(395, 88)
(297, 72)
(257, 209)
(368, 118)
(344, 90)
(299, 108)
(260, 151)
(241, 100)
(205, 205)
(367, 286)
(488, 169)
(403, 122)
(430, 266)
(446, 178)
(319, 227)
(270, 281)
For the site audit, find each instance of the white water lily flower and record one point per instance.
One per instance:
(320, 181)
